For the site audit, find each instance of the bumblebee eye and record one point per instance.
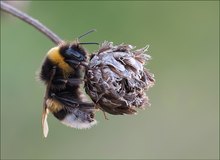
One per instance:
(71, 53)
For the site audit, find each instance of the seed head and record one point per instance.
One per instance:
(116, 79)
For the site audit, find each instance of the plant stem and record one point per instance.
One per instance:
(33, 22)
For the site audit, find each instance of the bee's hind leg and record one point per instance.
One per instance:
(66, 101)
(69, 81)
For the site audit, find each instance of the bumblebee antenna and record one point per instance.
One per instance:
(93, 30)
(85, 43)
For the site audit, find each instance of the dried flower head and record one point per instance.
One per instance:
(116, 79)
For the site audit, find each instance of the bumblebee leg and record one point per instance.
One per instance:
(69, 81)
(65, 101)
(58, 82)
(74, 81)
(76, 64)
(73, 63)
(106, 118)
(72, 103)
(85, 64)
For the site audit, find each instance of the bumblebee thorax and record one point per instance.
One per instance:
(56, 58)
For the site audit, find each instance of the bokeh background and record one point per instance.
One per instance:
(183, 120)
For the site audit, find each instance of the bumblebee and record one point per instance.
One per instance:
(61, 73)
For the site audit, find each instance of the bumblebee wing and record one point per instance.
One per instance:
(70, 102)
(44, 122)
(66, 101)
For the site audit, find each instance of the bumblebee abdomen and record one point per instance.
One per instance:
(76, 118)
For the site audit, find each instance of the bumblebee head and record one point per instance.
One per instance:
(67, 56)
(73, 54)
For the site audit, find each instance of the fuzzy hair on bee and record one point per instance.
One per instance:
(61, 73)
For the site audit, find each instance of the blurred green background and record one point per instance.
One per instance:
(183, 120)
